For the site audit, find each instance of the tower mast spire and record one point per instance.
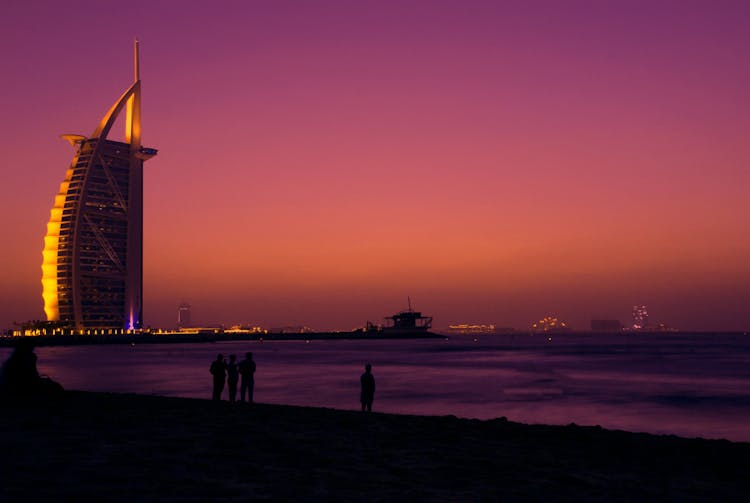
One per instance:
(133, 117)
(135, 60)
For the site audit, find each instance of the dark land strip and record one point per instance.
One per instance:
(123, 447)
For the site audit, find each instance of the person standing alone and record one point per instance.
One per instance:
(367, 380)
(247, 372)
(219, 371)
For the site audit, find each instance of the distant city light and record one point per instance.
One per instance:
(549, 323)
(466, 328)
(640, 317)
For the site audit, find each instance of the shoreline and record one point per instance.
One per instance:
(207, 337)
(219, 336)
(123, 447)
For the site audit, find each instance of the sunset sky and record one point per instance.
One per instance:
(320, 161)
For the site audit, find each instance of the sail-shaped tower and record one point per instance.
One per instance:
(92, 269)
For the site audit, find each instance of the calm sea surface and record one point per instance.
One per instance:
(694, 386)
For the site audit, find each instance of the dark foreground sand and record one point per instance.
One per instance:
(108, 447)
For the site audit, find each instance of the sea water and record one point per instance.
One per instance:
(688, 385)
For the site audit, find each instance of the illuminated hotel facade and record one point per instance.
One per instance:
(92, 269)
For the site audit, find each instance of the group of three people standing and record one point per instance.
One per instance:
(230, 374)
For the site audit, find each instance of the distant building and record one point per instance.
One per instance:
(184, 315)
(92, 269)
(606, 325)
(640, 317)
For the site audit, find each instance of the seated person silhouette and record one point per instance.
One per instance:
(19, 377)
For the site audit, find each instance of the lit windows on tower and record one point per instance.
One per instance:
(640, 317)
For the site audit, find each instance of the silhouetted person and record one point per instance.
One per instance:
(219, 371)
(368, 389)
(232, 377)
(247, 371)
(20, 378)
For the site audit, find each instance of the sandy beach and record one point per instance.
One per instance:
(122, 447)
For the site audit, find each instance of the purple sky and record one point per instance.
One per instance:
(321, 161)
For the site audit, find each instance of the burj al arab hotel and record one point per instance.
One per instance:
(92, 270)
